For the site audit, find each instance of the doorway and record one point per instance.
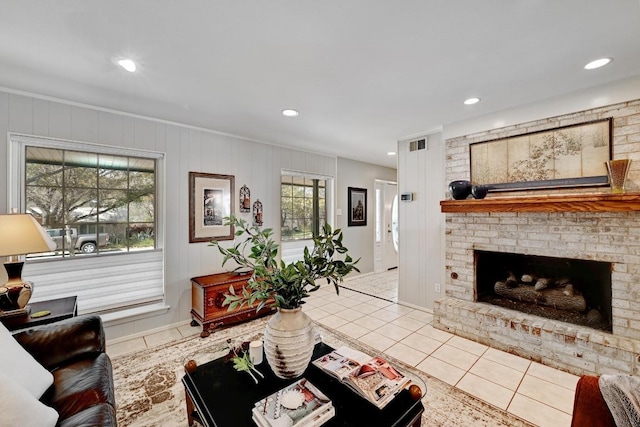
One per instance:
(386, 226)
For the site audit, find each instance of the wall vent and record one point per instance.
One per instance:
(417, 145)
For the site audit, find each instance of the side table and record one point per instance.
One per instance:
(60, 308)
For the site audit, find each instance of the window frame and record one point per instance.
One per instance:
(65, 163)
(105, 285)
(17, 172)
(315, 226)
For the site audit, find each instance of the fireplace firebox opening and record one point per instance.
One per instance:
(565, 289)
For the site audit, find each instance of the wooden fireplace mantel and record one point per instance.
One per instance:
(603, 202)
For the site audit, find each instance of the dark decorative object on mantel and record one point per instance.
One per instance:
(460, 189)
(479, 191)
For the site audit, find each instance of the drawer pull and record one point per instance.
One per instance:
(219, 299)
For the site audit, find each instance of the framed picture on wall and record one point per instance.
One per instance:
(357, 206)
(211, 199)
(568, 156)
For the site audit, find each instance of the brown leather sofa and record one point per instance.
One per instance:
(589, 407)
(74, 351)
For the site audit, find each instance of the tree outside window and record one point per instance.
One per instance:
(92, 203)
(303, 206)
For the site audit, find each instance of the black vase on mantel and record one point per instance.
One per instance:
(460, 189)
(479, 191)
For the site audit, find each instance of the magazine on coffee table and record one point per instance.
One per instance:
(374, 378)
(300, 404)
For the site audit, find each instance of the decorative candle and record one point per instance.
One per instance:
(255, 352)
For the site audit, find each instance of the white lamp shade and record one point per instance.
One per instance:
(20, 234)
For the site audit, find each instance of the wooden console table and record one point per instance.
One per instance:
(207, 296)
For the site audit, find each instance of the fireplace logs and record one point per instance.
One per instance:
(565, 289)
(544, 291)
(541, 283)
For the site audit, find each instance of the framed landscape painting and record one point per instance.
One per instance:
(210, 200)
(357, 206)
(569, 156)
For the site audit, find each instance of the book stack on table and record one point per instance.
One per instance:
(300, 404)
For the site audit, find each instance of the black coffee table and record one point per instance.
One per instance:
(218, 395)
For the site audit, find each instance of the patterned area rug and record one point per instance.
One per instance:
(149, 390)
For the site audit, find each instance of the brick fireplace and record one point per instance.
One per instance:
(567, 223)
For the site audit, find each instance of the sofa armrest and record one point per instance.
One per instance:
(56, 343)
(589, 407)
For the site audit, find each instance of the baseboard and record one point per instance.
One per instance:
(415, 307)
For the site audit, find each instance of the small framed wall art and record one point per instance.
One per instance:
(245, 199)
(257, 213)
(211, 198)
(357, 205)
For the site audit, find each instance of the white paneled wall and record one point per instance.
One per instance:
(187, 149)
(420, 223)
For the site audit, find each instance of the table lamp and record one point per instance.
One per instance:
(20, 234)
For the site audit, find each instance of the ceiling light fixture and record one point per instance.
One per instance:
(128, 65)
(597, 63)
(471, 101)
(391, 153)
(290, 113)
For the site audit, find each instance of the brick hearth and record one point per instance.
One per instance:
(602, 236)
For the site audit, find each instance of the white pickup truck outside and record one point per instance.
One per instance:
(87, 243)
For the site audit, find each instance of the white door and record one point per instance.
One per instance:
(386, 237)
(391, 224)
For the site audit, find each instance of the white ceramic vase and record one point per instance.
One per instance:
(288, 342)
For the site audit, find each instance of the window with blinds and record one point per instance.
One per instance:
(100, 205)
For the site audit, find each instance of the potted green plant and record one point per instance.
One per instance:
(289, 336)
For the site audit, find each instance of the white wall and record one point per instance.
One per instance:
(187, 149)
(421, 251)
(599, 96)
(359, 240)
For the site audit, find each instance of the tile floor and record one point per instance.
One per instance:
(529, 390)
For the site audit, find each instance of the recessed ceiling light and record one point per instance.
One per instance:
(290, 113)
(128, 65)
(391, 153)
(597, 63)
(471, 101)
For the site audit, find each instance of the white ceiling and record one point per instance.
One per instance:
(363, 73)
